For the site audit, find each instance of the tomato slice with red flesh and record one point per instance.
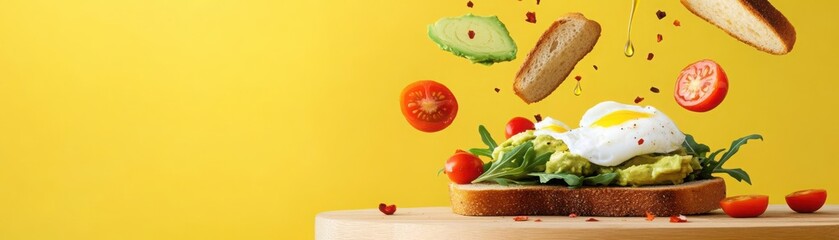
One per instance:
(428, 105)
(807, 201)
(701, 86)
(745, 206)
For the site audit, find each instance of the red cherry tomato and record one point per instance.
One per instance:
(463, 167)
(745, 206)
(807, 201)
(428, 105)
(701, 86)
(517, 125)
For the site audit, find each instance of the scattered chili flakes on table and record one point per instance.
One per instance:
(639, 99)
(387, 209)
(654, 90)
(520, 218)
(650, 56)
(592, 220)
(531, 17)
(677, 23)
(572, 215)
(538, 117)
(471, 34)
(650, 216)
(658, 37)
(678, 219)
(497, 89)
(538, 220)
(660, 14)
(470, 4)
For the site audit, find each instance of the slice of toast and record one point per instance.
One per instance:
(695, 197)
(755, 22)
(559, 49)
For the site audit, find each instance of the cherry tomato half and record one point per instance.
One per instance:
(745, 206)
(701, 86)
(807, 201)
(517, 125)
(463, 167)
(428, 105)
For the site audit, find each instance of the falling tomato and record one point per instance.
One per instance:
(428, 105)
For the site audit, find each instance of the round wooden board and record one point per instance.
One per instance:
(779, 222)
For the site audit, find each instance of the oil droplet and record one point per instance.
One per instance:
(629, 49)
(577, 89)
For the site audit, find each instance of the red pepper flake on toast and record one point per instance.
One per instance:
(469, 4)
(650, 216)
(572, 215)
(678, 218)
(638, 99)
(531, 17)
(387, 209)
(658, 37)
(677, 23)
(654, 90)
(471, 34)
(660, 14)
(520, 218)
(592, 220)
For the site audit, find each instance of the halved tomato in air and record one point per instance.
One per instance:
(428, 105)
(701, 86)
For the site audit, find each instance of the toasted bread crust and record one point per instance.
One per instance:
(767, 14)
(543, 42)
(695, 197)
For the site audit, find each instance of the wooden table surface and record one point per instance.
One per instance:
(779, 222)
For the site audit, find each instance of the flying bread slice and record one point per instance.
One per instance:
(755, 22)
(559, 49)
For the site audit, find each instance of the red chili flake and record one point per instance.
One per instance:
(387, 209)
(497, 89)
(471, 34)
(658, 37)
(470, 4)
(650, 216)
(578, 78)
(650, 56)
(678, 219)
(520, 218)
(640, 141)
(572, 215)
(654, 89)
(660, 14)
(538, 220)
(677, 23)
(595, 67)
(538, 117)
(592, 220)
(538, 1)
(531, 17)
(638, 99)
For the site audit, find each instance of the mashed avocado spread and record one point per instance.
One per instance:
(648, 169)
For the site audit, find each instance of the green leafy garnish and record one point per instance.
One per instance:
(574, 181)
(487, 139)
(515, 164)
(709, 163)
(602, 179)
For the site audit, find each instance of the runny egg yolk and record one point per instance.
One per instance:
(620, 116)
(556, 128)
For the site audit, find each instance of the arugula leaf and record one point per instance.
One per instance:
(487, 138)
(505, 182)
(572, 180)
(501, 167)
(601, 179)
(481, 152)
(710, 165)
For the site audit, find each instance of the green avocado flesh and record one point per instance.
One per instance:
(490, 44)
(643, 170)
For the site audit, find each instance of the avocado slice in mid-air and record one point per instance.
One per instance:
(488, 42)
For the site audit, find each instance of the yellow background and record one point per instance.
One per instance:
(243, 119)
